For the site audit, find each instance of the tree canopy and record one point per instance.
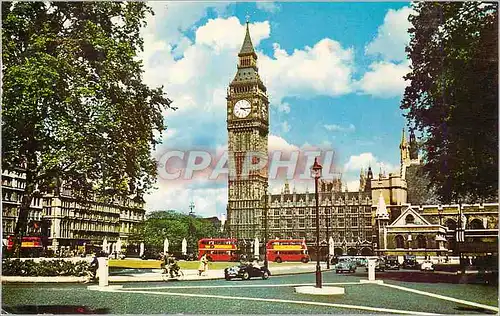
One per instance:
(452, 98)
(175, 226)
(75, 110)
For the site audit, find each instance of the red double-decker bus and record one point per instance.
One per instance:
(218, 249)
(31, 246)
(279, 250)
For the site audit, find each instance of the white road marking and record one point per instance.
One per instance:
(234, 286)
(366, 308)
(488, 307)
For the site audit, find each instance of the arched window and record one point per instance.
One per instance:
(451, 224)
(476, 224)
(421, 241)
(410, 219)
(400, 241)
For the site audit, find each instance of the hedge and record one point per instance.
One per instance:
(44, 268)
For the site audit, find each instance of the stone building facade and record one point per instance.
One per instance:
(248, 128)
(376, 219)
(62, 221)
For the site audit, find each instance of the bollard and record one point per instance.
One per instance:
(371, 269)
(103, 271)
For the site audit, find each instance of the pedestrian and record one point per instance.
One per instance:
(203, 264)
(93, 267)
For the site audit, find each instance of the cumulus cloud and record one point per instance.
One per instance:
(352, 186)
(392, 36)
(384, 80)
(364, 160)
(324, 69)
(208, 201)
(338, 128)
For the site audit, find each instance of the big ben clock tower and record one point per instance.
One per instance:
(248, 128)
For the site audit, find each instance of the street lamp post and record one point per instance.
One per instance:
(266, 264)
(316, 173)
(327, 223)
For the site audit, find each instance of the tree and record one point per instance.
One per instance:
(76, 114)
(420, 190)
(453, 94)
(175, 226)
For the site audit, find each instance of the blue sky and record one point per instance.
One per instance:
(333, 71)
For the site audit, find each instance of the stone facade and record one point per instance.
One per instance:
(248, 128)
(372, 220)
(63, 221)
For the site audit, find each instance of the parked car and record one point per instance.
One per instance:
(345, 265)
(427, 266)
(410, 262)
(379, 265)
(361, 262)
(245, 272)
(392, 263)
(116, 255)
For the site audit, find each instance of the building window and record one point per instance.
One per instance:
(354, 221)
(451, 224)
(410, 219)
(476, 224)
(341, 222)
(421, 241)
(400, 241)
(302, 223)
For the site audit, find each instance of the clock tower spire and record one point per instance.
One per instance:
(248, 128)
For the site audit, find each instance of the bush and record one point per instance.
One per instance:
(43, 268)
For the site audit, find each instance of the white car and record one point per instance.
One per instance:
(427, 266)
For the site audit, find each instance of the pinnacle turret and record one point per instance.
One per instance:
(247, 47)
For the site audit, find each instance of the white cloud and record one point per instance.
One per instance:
(384, 79)
(172, 19)
(208, 201)
(285, 127)
(284, 107)
(352, 186)
(276, 143)
(324, 69)
(364, 160)
(392, 36)
(221, 34)
(338, 128)
(271, 7)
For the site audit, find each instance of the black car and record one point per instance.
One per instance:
(410, 262)
(246, 271)
(392, 263)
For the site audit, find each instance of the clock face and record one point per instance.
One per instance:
(263, 110)
(242, 108)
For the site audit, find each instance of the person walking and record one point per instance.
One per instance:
(203, 265)
(92, 271)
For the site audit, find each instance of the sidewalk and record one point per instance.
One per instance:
(156, 276)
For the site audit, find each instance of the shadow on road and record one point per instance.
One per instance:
(53, 309)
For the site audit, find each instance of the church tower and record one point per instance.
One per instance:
(248, 128)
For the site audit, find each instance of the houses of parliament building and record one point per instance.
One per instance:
(375, 219)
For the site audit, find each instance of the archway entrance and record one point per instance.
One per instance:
(365, 251)
(352, 251)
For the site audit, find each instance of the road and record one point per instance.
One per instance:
(256, 296)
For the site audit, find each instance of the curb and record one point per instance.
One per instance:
(112, 279)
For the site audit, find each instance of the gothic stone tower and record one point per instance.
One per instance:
(248, 128)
